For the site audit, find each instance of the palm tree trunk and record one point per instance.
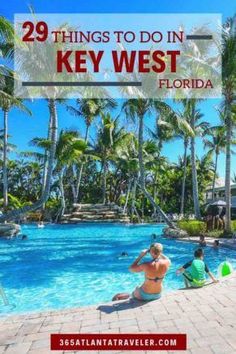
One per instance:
(104, 182)
(73, 183)
(142, 177)
(133, 198)
(81, 169)
(228, 171)
(194, 174)
(78, 182)
(45, 162)
(184, 177)
(5, 178)
(127, 197)
(63, 201)
(155, 187)
(14, 214)
(214, 177)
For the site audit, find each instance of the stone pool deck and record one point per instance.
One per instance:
(207, 315)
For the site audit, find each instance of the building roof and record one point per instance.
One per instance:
(222, 188)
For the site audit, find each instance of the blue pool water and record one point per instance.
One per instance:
(64, 266)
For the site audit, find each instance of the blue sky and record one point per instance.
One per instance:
(22, 128)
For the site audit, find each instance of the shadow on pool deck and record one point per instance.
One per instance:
(132, 303)
(192, 288)
(122, 305)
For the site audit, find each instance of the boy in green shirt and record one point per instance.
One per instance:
(196, 275)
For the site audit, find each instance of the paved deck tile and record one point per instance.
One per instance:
(207, 315)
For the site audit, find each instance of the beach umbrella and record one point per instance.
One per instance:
(219, 203)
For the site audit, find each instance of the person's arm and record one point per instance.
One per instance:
(135, 267)
(182, 269)
(213, 278)
(210, 274)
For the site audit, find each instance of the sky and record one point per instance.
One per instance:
(23, 128)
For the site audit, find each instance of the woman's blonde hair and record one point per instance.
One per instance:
(156, 248)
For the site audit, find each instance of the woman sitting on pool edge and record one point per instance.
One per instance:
(155, 271)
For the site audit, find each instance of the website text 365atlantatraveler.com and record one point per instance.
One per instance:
(118, 341)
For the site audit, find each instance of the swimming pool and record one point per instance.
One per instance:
(64, 266)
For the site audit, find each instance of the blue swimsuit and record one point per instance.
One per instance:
(148, 296)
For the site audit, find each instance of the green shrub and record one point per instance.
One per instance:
(215, 233)
(192, 227)
(234, 225)
(197, 228)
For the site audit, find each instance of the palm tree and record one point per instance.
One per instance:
(127, 160)
(68, 150)
(138, 108)
(15, 214)
(7, 102)
(110, 137)
(29, 68)
(10, 147)
(89, 109)
(215, 145)
(193, 116)
(6, 45)
(173, 124)
(229, 86)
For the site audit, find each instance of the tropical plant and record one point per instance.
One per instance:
(29, 68)
(110, 137)
(88, 109)
(138, 108)
(229, 88)
(215, 144)
(7, 102)
(172, 124)
(68, 150)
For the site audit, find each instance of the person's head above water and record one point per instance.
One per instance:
(124, 254)
(216, 244)
(156, 249)
(199, 253)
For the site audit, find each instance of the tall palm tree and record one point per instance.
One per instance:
(15, 214)
(172, 124)
(138, 108)
(10, 147)
(215, 144)
(199, 60)
(89, 109)
(7, 102)
(193, 116)
(127, 159)
(38, 63)
(7, 37)
(110, 137)
(229, 88)
(68, 150)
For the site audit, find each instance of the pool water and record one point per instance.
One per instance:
(62, 266)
